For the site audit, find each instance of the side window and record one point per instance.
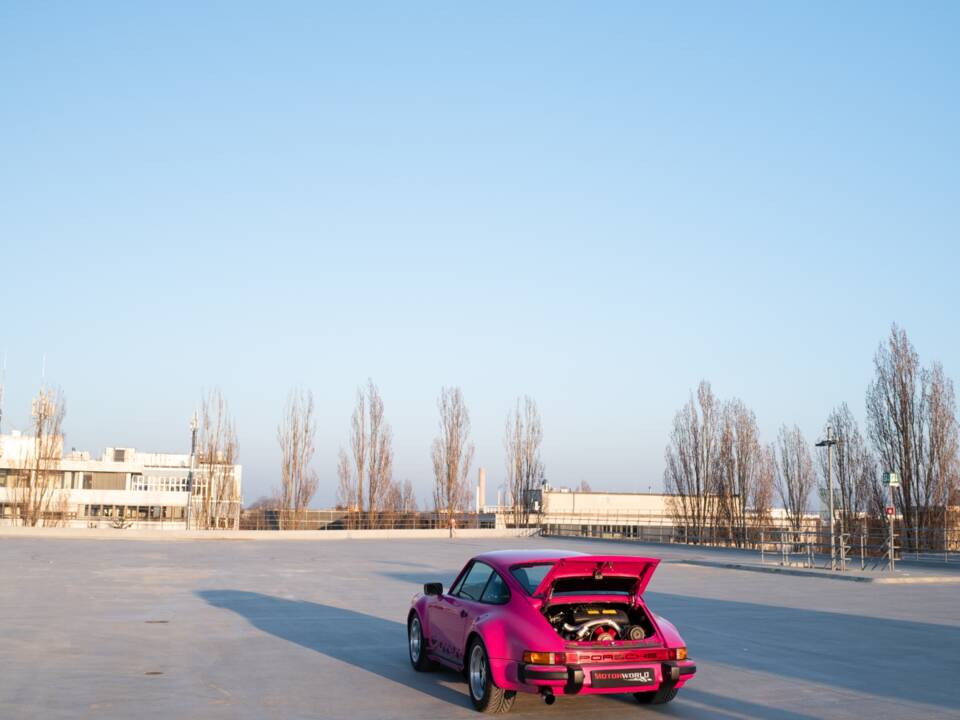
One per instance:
(457, 584)
(476, 580)
(497, 592)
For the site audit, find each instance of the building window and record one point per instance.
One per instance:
(119, 455)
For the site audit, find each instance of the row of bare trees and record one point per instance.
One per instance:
(366, 484)
(716, 468)
(723, 476)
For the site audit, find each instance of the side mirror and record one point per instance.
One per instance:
(433, 589)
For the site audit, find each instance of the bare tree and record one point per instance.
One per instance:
(911, 419)
(296, 435)
(371, 453)
(452, 454)
(380, 454)
(795, 476)
(399, 504)
(39, 477)
(584, 486)
(739, 471)
(216, 498)
(401, 497)
(346, 489)
(522, 440)
(693, 462)
(943, 447)
(895, 417)
(762, 498)
(346, 483)
(358, 445)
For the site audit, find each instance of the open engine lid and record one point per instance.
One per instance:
(599, 567)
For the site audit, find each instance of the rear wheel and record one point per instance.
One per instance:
(485, 695)
(417, 645)
(665, 694)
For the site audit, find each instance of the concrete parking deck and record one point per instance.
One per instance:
(300, 629)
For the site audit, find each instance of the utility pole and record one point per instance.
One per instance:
(828, 444)
(194, 426)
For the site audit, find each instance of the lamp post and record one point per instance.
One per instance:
(194, 426)
(828, 443)
(891, 480)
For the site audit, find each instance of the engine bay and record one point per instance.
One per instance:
(599, 622)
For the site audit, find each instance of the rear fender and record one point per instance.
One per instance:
(507, 634)
(502, 671)
(669, 633)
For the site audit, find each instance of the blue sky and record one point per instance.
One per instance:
(597, 205)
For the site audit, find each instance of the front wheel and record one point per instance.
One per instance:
(485, 695)
(665, 694)
(417, 645)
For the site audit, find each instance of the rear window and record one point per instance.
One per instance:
(589, 586)
(530, 576)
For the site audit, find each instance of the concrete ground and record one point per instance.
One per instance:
(248, 629)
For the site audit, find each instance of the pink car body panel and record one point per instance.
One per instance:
(509, 629)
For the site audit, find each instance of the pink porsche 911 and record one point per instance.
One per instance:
(549, 622)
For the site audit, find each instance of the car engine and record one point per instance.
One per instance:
(593, 623)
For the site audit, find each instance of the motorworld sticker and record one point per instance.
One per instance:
(621, 678)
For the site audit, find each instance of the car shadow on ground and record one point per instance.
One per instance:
(333, 631)
(345, 635)
(918, 662)
(703, 705)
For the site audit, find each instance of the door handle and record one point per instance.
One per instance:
(463, 613)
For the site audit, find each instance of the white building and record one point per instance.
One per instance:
(123, 487)
(644, 515)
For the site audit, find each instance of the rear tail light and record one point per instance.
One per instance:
(544, 658)
(680, 653)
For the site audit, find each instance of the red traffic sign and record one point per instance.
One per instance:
(890, 510)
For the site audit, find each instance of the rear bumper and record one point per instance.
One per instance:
(566, 680)
(578, 679)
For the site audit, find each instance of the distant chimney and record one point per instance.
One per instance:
(481, 489)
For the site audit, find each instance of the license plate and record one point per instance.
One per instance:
(623, 678)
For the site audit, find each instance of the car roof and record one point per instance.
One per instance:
(505, 559)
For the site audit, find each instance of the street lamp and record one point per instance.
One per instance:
(828, 443)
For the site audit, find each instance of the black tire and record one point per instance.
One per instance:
(417, 645)
(665, 694)
(484, 694)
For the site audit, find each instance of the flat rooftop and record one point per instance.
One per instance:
(94, 628)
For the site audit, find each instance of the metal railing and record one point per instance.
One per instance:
(867, 546)
(353, 520)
